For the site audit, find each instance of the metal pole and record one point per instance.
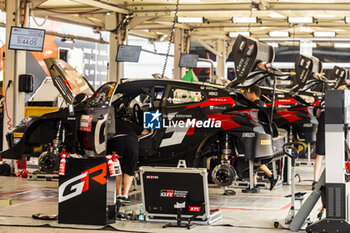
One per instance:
(293, 189)
(289, 170)
(308, 153)
(251, 174)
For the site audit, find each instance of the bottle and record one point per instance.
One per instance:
(141, 214)
(62, 169)
(117, 167)
(110, 165)
(63, 162)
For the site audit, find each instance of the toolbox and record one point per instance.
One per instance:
(164, 189)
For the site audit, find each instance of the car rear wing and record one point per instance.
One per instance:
(247, 54)
(339, 75)
(306, 68)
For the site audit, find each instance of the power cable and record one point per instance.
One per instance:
(171, 37)
(33, 16)
(9, 122)
(104, 228)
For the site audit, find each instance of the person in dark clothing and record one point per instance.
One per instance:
(253, 93)
(320, 144)
(125, 144)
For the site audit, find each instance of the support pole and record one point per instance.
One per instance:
(116, 69)
(179, 47)
(221, 60)
(15, 65)
(251, 174)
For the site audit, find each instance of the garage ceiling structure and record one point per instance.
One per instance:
(153, 18)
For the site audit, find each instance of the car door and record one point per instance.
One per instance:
(179, 120)
(96, 121)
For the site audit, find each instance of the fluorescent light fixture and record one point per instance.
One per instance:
(190, 19)
(235, 34)
(308, 45)
(300, 19)
(245, 19)
(278, 34)
(347, 19)
(273, 44)
(341, 45)
(324, 34)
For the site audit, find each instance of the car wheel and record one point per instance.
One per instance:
(48, 162)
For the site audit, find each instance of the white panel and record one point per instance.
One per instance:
(335, 165)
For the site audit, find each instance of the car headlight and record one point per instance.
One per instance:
(26, 120)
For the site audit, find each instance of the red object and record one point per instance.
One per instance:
(318, 102)
(226, 120)
(62, 168)
(20, 165)
(110, 165)
(24, 173)
(116, 164)
(194, 208)
(347, 166)
(286, 101)
(214, 102)
(115, 156)
(289, 115)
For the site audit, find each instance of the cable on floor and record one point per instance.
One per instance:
(104, 228)
(248, 227)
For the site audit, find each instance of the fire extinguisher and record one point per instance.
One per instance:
(117, 167)
(110, 165)
(62, 168)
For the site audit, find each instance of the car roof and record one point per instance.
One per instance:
(163, 82)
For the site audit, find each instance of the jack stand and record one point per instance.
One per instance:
(188, 225)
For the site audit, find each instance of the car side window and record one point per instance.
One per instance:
(184, 96)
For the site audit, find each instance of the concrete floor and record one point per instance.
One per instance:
(245, 212)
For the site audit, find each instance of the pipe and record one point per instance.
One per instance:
(211, 67)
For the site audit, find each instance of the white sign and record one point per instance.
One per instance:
(27, 39)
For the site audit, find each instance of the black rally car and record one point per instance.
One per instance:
(192, 115)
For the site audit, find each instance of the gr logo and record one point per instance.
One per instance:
(166, 193)
(79, 184)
